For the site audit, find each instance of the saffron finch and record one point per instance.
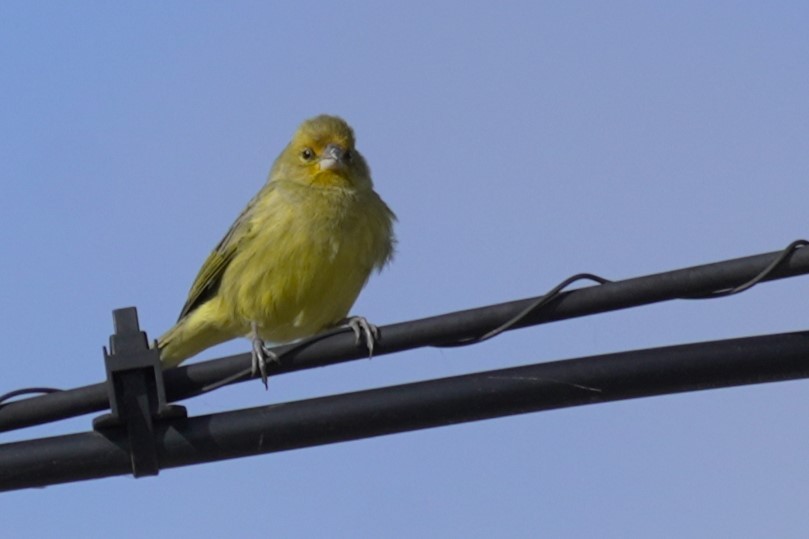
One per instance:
(295, 260)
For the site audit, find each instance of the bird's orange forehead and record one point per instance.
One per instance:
(320, 131)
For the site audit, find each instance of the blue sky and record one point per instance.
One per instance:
(519, 143)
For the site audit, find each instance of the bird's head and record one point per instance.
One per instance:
(322, 153)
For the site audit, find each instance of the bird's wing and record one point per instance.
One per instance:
(210, 275)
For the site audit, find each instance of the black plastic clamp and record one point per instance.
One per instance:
(136, 392)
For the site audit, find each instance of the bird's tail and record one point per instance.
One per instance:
(187, 338)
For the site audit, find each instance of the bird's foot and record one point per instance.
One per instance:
(363, 330)
(261, 356)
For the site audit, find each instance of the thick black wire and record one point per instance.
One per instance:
(540, 302)
(407, 407)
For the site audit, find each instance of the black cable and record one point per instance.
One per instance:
(408, 407)
(540, 302)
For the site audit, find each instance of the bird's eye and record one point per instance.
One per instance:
(348, 155)
(307, 154)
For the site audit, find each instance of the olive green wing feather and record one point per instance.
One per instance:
(210, 275)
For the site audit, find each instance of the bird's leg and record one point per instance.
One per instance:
(363, 330)
(260, 355)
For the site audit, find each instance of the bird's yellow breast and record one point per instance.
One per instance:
(308, 255)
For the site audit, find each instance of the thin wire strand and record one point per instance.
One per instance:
(791, 248)
(27, 391)
(294, 347)
(540, 302)
(557, 290)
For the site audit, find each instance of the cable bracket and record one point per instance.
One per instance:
(136, 392)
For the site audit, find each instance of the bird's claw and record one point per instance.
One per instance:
(261, 356)
(364, 330)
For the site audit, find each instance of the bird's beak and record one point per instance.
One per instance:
(334, 157)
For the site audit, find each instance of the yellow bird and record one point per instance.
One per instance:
(295, 260)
